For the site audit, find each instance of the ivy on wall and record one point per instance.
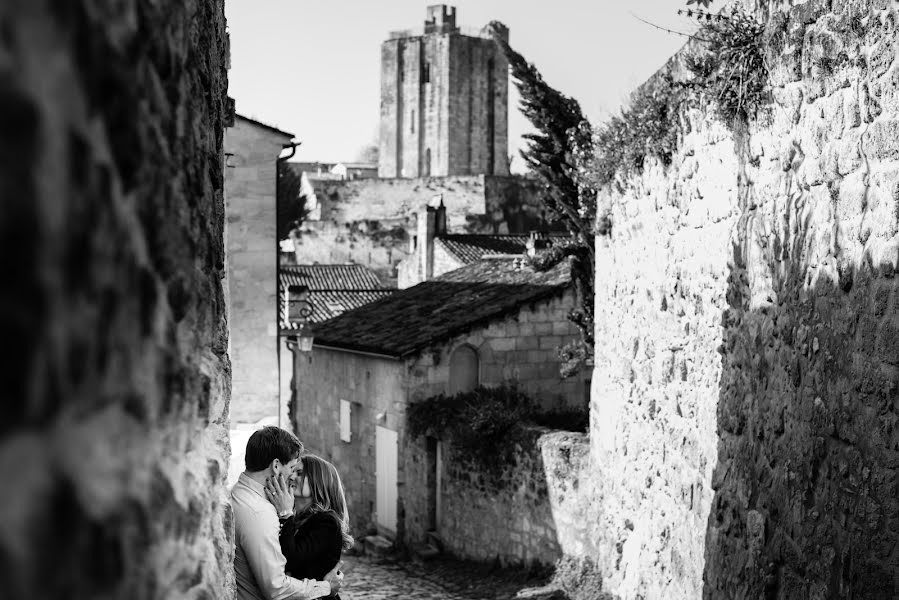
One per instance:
(483, 426)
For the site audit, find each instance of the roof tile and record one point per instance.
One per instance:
(416, 317)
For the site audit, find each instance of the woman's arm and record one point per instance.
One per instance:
(320, 538)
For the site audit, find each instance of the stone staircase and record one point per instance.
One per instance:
(377, 545)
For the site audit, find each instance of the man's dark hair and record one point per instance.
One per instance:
(269, 443)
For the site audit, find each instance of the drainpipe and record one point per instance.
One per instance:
(281, 159)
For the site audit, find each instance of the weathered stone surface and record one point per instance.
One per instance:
(113, 434)
(372, 221)
(444, 101)
(746, 396)
(250, 189)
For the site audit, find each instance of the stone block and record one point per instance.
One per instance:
(550, 342)
(543, 328)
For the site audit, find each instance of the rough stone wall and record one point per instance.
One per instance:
(374, 386)
(507, 518)
(744, 410)
(378, 245)
(387, 139)
(372, 221)
(113, 443)
(806, 500)
(378, 199)
(250, 182)
(410, 108)
(531, 514)
(474, 91)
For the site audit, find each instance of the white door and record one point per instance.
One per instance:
(386, 475)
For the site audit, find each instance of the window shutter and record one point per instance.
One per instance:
(346, 433)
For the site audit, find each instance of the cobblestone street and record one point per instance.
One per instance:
(374, 578)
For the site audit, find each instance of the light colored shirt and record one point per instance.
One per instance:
(258, 560)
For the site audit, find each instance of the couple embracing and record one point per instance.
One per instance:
(290, 521)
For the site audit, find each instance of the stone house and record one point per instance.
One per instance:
(312, 294)
(251, 153)
(490, 322)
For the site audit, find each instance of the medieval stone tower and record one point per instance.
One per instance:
(444, 100)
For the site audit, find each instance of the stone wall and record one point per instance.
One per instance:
(522, 347)
(113, 443)
(250, 189)
(507, 518)
(379, 245)
(744, 413)
(372, 221)
(477, 106)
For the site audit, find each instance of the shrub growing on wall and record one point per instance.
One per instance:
(730, 65)
(483, 426)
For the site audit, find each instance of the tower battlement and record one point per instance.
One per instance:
(440, 19)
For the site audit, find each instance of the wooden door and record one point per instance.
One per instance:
(386, 464)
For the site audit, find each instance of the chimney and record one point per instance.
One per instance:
(427, 218)
(537, 240)
(440, 219)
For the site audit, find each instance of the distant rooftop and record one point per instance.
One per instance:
(332, 289)
(271, 128)
(414, 318)
(468, 248)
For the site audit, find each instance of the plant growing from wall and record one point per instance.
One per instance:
(562, 143)
(647, 127)
(729, 66)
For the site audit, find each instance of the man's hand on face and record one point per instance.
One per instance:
(279, 493)
(335, 578)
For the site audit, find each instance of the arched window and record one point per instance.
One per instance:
(427, 172)
(464, 370)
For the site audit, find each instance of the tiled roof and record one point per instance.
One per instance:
(333, 289)
(329, 277)
(468, 248)
(271, 128)
(432, 311)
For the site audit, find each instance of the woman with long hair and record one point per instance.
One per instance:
(315, 537)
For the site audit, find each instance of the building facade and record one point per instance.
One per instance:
(251, 152)
(444, 100)
(489, 323)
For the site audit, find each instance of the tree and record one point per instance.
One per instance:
(558, 153)
(291, 207)
(368, 153)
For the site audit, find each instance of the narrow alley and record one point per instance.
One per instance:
(375, 578)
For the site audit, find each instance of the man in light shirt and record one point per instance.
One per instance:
(272, 453)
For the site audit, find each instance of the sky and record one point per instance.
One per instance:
(312, 67)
